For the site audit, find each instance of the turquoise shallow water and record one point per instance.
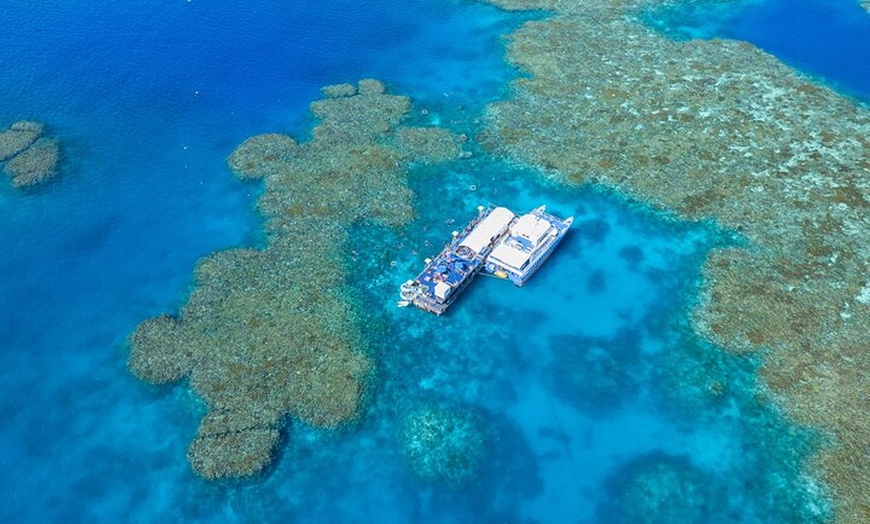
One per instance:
(586, 382)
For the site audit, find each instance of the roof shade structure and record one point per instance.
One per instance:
(488, 229)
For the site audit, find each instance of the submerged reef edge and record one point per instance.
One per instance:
(30, 158)
(274, 332)
(719, 129)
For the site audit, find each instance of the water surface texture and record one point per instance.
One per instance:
(586, 395)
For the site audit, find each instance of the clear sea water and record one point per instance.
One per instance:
(586, 379)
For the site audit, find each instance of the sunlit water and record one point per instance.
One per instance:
(587, 380)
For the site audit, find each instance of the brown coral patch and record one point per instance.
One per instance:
(272, 332)
(721, 130)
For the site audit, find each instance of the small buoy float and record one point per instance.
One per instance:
(500, 274)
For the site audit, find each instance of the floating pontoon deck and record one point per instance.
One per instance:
(496, 241)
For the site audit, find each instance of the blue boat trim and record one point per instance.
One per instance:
(497, 242)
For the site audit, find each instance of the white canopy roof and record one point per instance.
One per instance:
(509, 257)
(495, 223)
(531, 228)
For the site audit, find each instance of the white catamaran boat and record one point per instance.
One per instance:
(529, 242)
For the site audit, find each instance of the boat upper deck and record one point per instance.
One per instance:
(527, 235)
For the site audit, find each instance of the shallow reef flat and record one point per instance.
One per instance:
(720, 130)
(271, 332)
(866, 5)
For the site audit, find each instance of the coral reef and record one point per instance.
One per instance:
(271, 332)
(18, 137)
(866, 5)
(31, 160)
(232, 444)
(692, 375)
(443, 444)
(594, 375)
(699, 386)
(339, 90)
(718, 129)
(36, 165)
(659, 489)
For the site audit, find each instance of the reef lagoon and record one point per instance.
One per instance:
(210, 208)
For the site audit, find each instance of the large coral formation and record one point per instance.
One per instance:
(443, 444)
(272, 332)
(31, 159)
(718, 129)
(18, 137)
(36, 165)
(594, 375)
(660, 489)
(232, 444)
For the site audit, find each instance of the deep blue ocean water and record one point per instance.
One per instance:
(587, 380)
